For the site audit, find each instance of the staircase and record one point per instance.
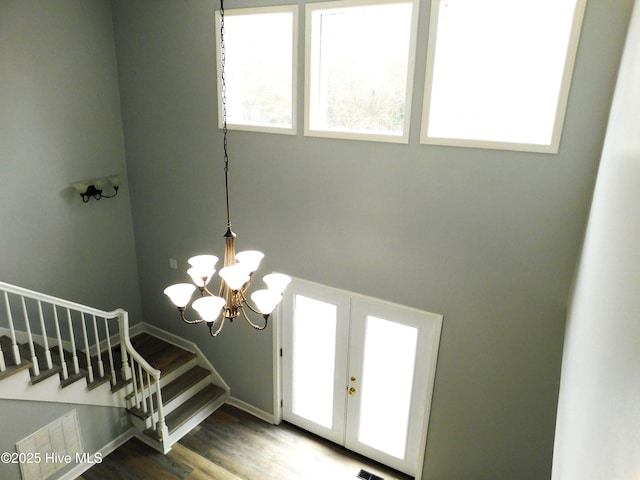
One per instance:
(188, 392)
(165, 388)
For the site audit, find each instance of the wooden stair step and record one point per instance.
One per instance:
(173, 389)
(106, 365)
(188, 409)
(161, 355)
(184, 382)
(83, 372)
(40, 353)
(73, 377)
(12, 367)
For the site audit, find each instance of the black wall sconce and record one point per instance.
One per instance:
(95, 188)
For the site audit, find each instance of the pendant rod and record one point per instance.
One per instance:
(223, 90)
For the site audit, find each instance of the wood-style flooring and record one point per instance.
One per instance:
(233, 445)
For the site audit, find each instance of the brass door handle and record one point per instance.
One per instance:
(353, 379)
(351, 391)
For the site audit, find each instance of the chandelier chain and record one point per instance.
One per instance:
(223, 101)
(237, 273)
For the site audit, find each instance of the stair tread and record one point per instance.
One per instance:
(188, 409)
(44, 374)
(174, 389)
(184, 382)
(12, 368)
(161, 355)
(73, 377)
(7, 349)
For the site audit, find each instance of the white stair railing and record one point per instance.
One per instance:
(32, 338)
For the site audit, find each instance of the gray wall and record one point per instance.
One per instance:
(487, 238)
(598, 428)
(60, 122)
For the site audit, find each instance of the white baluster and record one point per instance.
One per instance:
(14, 344)
(110, 352)
(161, 426)
(134, 381)
(45, 340)
(3, 365)
(143, 389)
(72, 339)
(63, 361)
(123, 328)
(98, 352)
(32, 352)
(150, 399)
(86, 348)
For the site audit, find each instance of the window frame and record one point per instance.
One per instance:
(310, 9)
(293, 10)
(561, 106)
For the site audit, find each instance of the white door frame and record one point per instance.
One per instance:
(277, 341)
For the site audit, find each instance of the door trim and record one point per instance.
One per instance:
(278, 335)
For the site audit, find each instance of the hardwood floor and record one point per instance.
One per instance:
(233, 445)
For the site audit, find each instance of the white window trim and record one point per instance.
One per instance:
(563, 96)
(293, 9)
(367, 136)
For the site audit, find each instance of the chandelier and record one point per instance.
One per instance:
(238, 271)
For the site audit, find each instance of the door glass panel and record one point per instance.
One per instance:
(387, 379)
(313, 365)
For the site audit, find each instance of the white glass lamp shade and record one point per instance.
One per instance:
(250, 259)
(81, 188)
(277, 282)
(203, 266)
(198, 275)
(203, 262)
(266, 300)
(235, 276)
(209, 308)
(180, 293)
(115, 180)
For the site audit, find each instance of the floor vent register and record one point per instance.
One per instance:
(364, 475)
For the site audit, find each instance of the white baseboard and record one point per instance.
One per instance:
(80, 468)
(251, 410)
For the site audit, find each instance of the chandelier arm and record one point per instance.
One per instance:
(246, 302)
(217, 332)
(244, 314)
(186, 320)
(246, 286)
(206, 290)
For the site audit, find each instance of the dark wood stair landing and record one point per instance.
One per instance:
(161, 355)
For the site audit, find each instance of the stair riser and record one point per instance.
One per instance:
(142, 424)
(185, 395)
(180, 432)
(164, 380)
(175, 402)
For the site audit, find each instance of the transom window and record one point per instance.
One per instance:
(261, 45)
(498, 72)
(359, 69)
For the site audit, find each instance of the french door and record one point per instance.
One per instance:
(359, 372)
